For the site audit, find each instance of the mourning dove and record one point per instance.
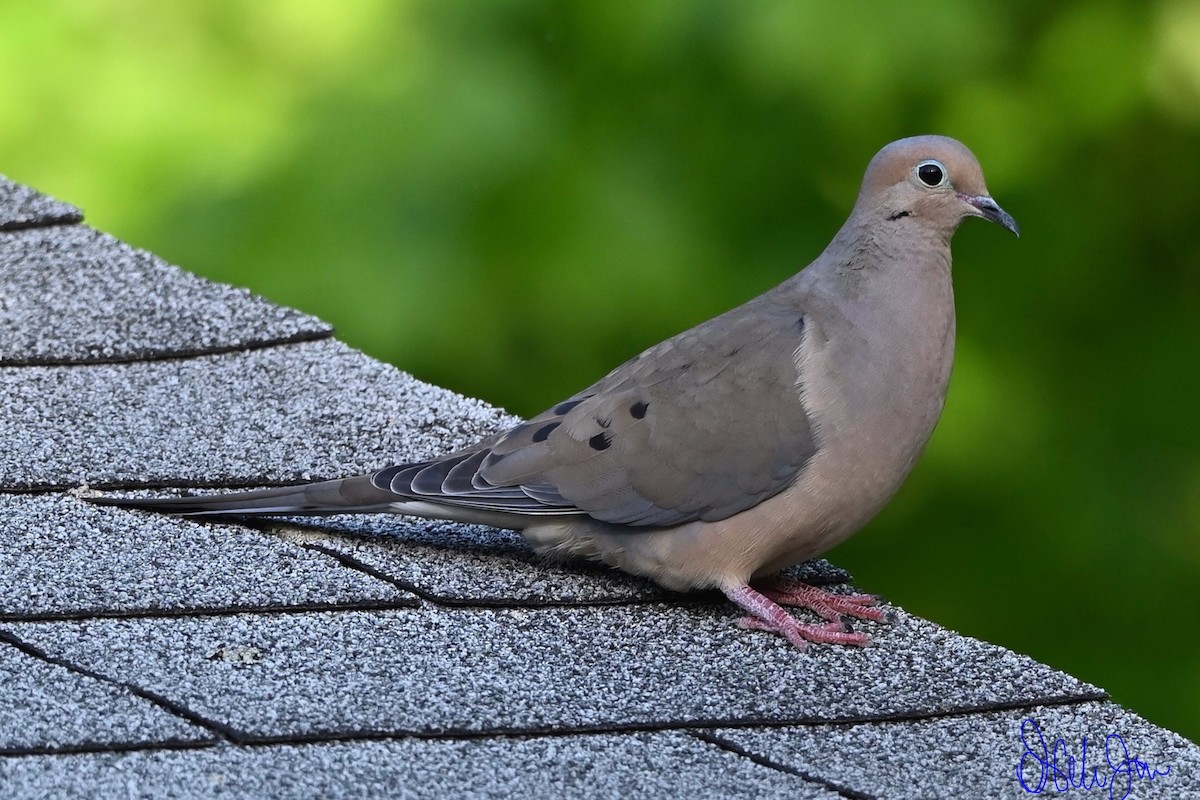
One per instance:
(754, 441)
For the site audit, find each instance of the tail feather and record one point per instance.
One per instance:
(344, 496)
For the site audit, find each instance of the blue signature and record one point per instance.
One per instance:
(1060, 768)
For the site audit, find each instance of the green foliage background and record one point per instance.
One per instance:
(508, 198)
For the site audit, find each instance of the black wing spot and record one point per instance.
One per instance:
(567, 405)
(600, 441)
(493, 458)
(638, 409)
(898, 215)
(543, 433)
(516, 430)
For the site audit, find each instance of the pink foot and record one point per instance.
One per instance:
(793, 593)
(766, 615)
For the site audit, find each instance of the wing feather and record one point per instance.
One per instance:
(666, 438)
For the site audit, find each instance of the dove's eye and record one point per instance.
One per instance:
(931, 173)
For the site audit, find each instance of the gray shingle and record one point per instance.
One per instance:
(111, 302)
(22, 207)
(473, 564)
(281, 414)
(65, 557)
(442, 670)
(44, 707)
(639, 765)
(976, 755)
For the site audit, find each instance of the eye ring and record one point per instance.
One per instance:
(932, 173)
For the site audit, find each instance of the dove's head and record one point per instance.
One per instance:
(930, 180)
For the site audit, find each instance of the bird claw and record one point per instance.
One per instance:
(800, 634)
(766, 615)
(833, 607)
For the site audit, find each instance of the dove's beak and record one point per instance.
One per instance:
(987, 208)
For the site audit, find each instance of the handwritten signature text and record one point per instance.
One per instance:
(1055, 766)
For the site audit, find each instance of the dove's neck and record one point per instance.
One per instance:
(873, 243)
(882, 299)
(890, 268)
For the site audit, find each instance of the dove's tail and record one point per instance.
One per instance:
(357, 495)
(346, 496)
